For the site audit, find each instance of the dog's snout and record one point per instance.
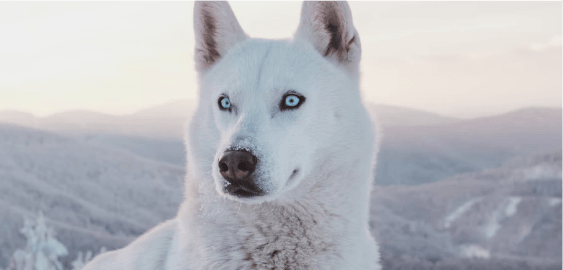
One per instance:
(236, 166)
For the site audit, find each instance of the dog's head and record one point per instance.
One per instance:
(269, 111)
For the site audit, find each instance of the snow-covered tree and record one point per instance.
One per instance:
(42, 250)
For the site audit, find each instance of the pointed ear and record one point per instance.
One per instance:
(328, 26)
(216, 31)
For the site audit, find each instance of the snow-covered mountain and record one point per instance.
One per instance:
(423, 154)
(164, 122)
(400, 116)
(513, 212)
(92, 195)
(18, 118)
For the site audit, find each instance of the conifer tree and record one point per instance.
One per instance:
(42, 250)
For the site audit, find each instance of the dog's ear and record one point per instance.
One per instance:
(328, 26)
(216, 30)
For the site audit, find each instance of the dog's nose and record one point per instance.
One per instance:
(237, 166)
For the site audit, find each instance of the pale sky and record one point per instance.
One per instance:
(455, 58)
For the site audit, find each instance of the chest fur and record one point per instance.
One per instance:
(290, 243)
(277, 239)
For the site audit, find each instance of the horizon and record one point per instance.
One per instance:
(469, 59)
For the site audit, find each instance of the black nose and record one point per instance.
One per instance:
(236, 166)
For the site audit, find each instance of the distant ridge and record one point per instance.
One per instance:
(413, 155)
(401, 116)
(18, 118)
(178, 108)
(164, 121)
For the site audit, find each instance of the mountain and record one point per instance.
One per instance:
(18, 118)
(180, 108)
(92, 195)
(401, 116)
(411, 155)
(164, 122)
(510, 212)
(81, 121)
(163, 150)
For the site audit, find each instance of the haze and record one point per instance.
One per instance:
(462, 59)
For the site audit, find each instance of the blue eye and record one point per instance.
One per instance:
(224, 103)
(291, 101)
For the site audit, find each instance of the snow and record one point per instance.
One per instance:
(512, 206)
(554, 201)
(506, 209)
(474, 251)
(542, 171)
(449, 219)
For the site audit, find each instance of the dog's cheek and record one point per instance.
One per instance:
(220, 121)
(301, 150)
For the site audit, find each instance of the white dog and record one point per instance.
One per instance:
(280, 153)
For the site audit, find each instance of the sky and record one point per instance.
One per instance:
(463, 59)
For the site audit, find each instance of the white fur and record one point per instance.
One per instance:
(315, 219)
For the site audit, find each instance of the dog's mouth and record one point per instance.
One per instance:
(243, 191)
(247, 189)
(293, 174)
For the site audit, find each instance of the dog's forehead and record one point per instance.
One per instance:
(268, 68)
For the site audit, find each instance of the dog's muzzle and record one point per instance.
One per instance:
(237, 168)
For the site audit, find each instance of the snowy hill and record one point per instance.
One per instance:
(18, 118)
(401, 116)
(169, 151)
(513, 212)
(163, 122)
(423, 154)
(179, 108)
(93, 196)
